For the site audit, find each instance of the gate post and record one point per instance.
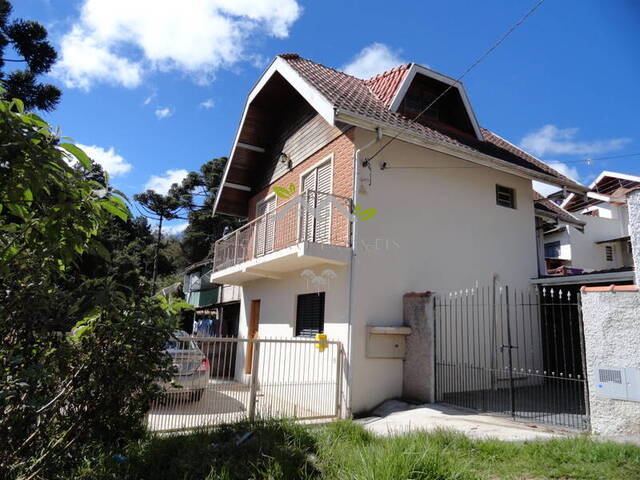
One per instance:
(253, 386)
(418, 373)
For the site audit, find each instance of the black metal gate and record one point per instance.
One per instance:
(513, 353)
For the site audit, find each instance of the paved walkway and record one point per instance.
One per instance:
(395, 417)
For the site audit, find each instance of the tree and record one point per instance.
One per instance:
(29, 40)
(163, 207)
(81, 347)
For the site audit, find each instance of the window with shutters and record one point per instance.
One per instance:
(265, 226)
(316, 186)
(505, 196)
(608, 253)
(310, 314)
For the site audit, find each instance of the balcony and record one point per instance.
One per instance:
(309, 229)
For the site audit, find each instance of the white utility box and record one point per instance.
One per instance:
(618, 382)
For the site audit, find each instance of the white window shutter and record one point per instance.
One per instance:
(323, 220)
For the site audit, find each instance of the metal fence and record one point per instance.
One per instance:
(312, 216)
(515, 353)
(224, 380)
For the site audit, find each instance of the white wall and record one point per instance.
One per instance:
(586, 253)
(561, 236)
(436, 229)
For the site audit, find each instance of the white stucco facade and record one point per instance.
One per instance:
(437, 228)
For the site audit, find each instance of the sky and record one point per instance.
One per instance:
(153, 89)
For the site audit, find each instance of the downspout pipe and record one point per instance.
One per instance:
(358, 161)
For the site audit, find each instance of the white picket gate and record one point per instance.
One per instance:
(248, 379)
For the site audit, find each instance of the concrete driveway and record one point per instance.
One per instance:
(396, 417)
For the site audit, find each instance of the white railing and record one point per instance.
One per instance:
(312, 216)
(225, 380)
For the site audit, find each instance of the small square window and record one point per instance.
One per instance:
(310, 314)
(608, 253)
(505, 196)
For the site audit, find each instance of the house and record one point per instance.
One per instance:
(601, 248)
(220, 302)
(350, 204)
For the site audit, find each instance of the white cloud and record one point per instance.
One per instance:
(560, 141)
(85, 59)
(162, 183)
(163, 112)
(174, 228)
(371, 60)
(117, 41)
(109, 160)
(563, 168)
(208, 103)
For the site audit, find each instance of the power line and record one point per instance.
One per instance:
(473, 65)
(587, 161)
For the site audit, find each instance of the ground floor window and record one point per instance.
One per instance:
(310, 314)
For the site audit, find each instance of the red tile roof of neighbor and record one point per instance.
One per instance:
(610, 288)
(546, 204)
(371, 99)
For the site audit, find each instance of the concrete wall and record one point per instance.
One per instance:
(612, 339)
(437, 228)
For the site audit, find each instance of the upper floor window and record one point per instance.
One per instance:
(505, 196)
(608, 253)
(552, 249)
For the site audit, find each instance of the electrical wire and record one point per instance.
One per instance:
(471, 67)
(586, 161)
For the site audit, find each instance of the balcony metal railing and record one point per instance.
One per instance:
(312, 216)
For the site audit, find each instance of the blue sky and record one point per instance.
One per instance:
(155, 87)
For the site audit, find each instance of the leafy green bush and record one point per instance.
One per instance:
(81, 349)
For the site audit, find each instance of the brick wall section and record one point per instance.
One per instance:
(342, 148)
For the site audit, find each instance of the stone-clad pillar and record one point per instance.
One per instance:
(633, 204)
(418, 381)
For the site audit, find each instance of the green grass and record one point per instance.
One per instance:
(344, 450)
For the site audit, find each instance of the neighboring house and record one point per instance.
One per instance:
(212, 300)
(603, 245)
(446, 205)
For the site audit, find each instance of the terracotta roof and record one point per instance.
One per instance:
(386, 84)
(548, 205)
(371, 98)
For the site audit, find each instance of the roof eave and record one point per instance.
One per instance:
(310, 93)
(475, 157)
(558, 218)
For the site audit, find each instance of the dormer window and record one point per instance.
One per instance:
(448, 114)
(417, 100)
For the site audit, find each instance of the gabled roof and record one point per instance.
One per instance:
(342, 98)
(607, 187)
(547, 208)
(358, 97)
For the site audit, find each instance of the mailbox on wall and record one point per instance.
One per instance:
(387, 342)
